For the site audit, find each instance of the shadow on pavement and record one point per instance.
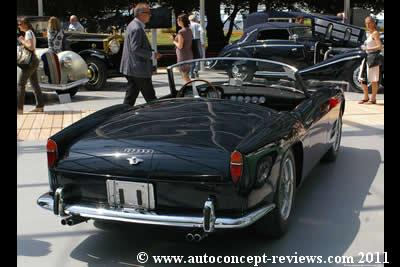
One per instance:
(32, 247)
(363, 130)
(325, 222)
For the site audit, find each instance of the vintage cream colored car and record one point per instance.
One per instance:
(64, 74)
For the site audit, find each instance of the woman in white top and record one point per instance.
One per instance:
(28, 71)
(372, 45)
(55, 35)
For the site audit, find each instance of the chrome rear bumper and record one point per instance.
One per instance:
(208, 221)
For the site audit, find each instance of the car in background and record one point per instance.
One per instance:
(101, 51)
(302, 45)
(63, 73)
(283, 16)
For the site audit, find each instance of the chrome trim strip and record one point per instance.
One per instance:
(233, 59)
(63, 86)
(329, 63)
(148, 217)
(272, 45)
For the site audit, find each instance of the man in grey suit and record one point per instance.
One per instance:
(136, 61)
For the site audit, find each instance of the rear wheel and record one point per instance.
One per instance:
(332, 153)
(275, 224)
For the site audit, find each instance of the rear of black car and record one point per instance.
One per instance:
(183, 190)
(126, 161)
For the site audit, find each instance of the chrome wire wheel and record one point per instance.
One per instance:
(94, 73)
(286, 188)
(338, 134)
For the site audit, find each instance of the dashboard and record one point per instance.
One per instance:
(255, 99)
(261, 95)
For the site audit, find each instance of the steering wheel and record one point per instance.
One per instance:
(195, 92)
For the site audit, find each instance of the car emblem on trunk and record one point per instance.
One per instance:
(134, 160)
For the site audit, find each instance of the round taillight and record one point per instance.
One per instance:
(51, 153)
(333, 102)
(236, 166)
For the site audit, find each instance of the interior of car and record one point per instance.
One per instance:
(280, 96)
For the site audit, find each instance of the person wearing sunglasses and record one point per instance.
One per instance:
(137, 55)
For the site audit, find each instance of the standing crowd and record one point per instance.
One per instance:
(27, 60)
(137, 56)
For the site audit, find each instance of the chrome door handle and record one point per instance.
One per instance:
(294, 49)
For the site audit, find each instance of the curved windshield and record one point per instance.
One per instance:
(302, 32)
(245, 80)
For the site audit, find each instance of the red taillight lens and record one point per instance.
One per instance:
(333, 102)
(236, 166)
(51, 153)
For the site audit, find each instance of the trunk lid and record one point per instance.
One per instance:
(173, 138)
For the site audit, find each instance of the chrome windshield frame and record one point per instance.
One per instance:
(295, 72)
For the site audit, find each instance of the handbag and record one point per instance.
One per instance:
(374, 59)
(24, 56)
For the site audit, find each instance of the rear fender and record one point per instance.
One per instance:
(66, 136)
(94, 53)
(334, 68)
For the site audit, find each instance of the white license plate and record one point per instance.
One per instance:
(130, 194)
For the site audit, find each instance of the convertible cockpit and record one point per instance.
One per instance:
(261, 82)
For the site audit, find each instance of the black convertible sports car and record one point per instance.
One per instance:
(224, 151)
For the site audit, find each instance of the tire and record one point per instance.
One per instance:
(71, 91)
(275, 224)
(355, 85)
(98, 70)
(333, 152)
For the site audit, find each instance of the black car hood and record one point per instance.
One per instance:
(180, 134)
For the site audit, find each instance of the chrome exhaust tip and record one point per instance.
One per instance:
(189, 237)
(64, 221)
(73, 220)
(198, 237)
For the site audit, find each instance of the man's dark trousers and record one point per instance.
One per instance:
(136, 85)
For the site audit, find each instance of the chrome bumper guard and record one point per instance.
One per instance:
(208, 221)
(47, 86)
